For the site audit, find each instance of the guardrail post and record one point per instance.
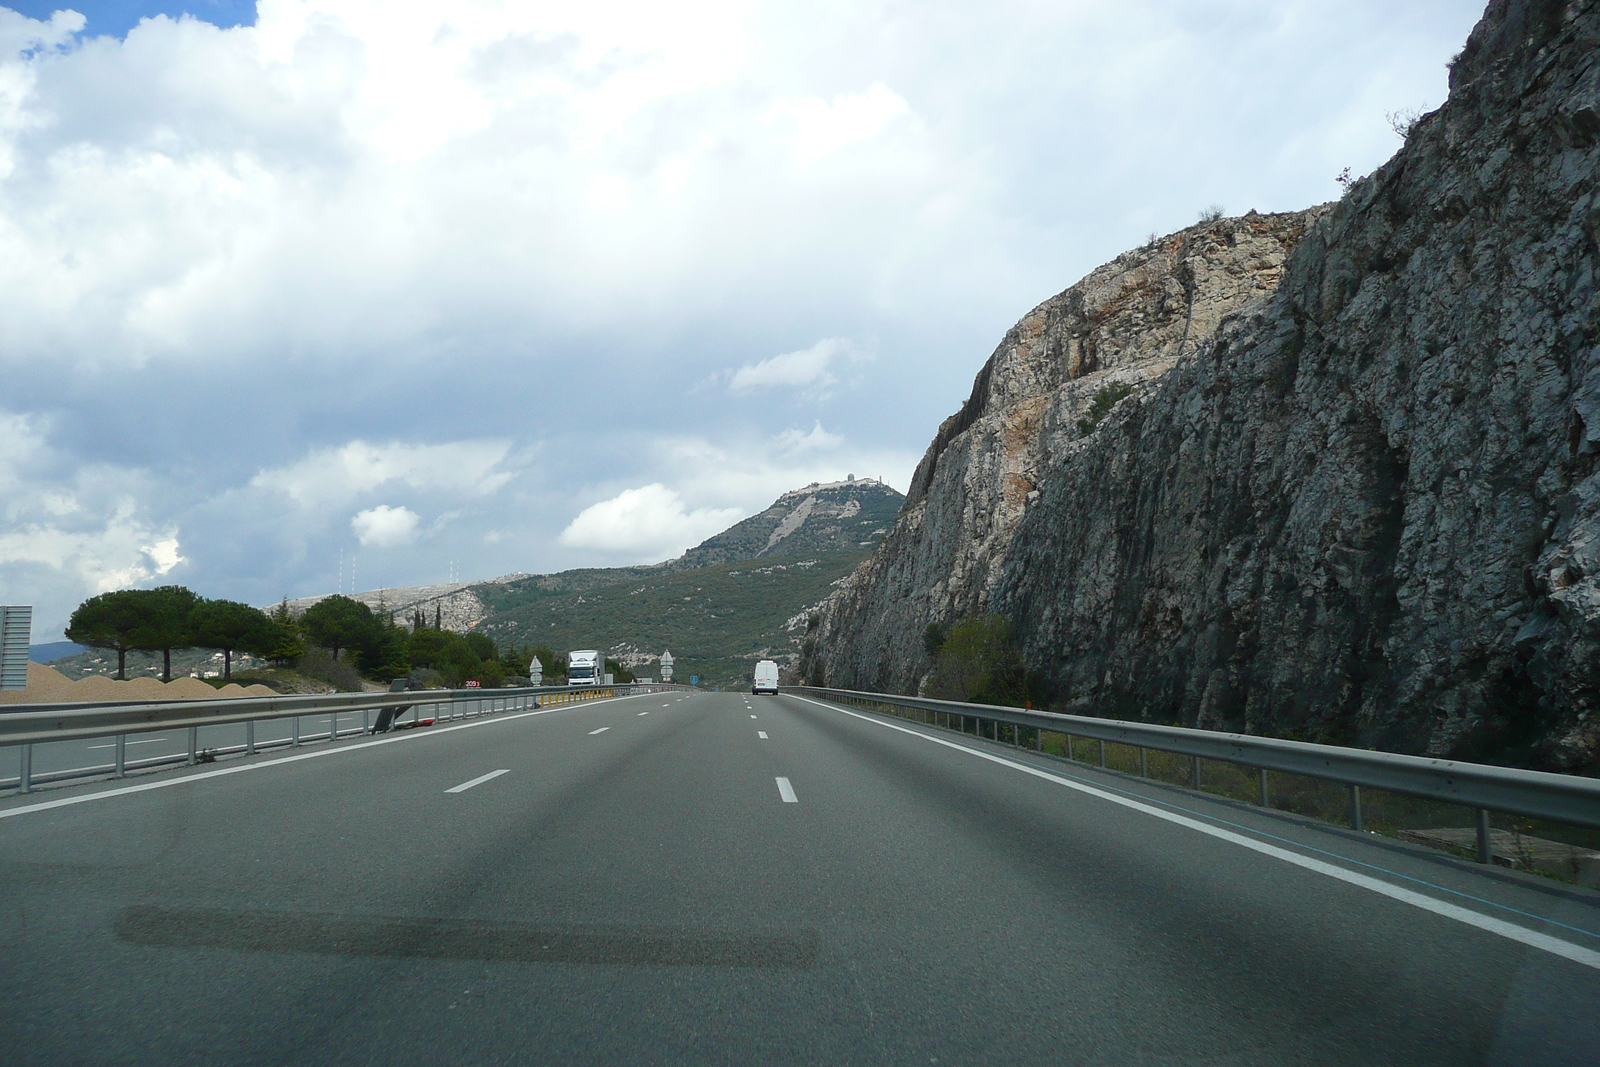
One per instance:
(1102, 753)
(1196, 769)
(294, 732)
(122, 756)
(1144, 764)
(366, 720)
(1071, 753)
(1355, 807)
(194, 744)
(25, 771)
(1485, 853)
(250, 738)
(1265, 800)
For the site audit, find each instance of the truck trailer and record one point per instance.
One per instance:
(586, 667)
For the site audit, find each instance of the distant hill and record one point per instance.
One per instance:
(823, 517)
(717, 620)
(742, 595)
(51, 651)
(716, 611)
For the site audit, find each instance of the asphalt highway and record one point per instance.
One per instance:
(728, 879)
(98, 753)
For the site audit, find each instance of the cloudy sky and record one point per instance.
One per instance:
(527, 286)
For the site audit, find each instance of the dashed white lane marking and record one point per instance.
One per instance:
(752, 716)
(602, 730)
(464, 786)
(761, 734)
(644, 713)
(786, 791)
(405, 737)
(1532, 938)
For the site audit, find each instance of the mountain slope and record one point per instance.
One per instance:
(717, 620)
(1364, 509)
(831, 517)
(739, 596)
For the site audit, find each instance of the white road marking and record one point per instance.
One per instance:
(145, 741)
(1531, 938)
(752, 716)
(322, 753)
(644, 713)
(761, 734)
(602, 730)
(464, 786)
(786, 791)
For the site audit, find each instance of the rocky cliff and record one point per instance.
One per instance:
(1353, 494)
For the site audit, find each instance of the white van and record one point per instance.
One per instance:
(766, 678)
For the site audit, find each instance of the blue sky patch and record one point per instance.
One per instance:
(115, 18)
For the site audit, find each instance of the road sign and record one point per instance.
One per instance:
(473, 683)
(15, 626)
(694, 679)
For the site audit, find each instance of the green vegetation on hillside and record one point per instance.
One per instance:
(717, 620)
(839, 517)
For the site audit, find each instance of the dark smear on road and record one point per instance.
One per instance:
(460, 939)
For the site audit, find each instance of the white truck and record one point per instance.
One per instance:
(766, 680)
(586, 667)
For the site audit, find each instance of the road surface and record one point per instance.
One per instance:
(728, 879)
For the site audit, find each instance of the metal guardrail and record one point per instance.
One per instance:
(25, 725)
(1559, 798)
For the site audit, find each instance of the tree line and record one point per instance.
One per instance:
(347, 631)
(169, 617)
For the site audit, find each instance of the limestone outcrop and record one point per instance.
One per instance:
(1354, 493)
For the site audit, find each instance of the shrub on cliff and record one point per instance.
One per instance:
(1101, 406)
(979, 663)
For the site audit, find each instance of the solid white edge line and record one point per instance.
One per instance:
(786, 791)
(165, 783)
(1489, 924)
(464, 786)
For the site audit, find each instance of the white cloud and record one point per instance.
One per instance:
(121, 553)
(67, 532)
(817, 439)
(822, 127)
(648, 523)
(384, 526)
(807, 368)
(333, 475)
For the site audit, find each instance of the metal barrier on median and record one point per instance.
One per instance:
(1558, 798)
(24, 725)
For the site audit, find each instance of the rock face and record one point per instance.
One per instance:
(1122, 328)
(1362, 508)
(455, 604)
(822, 517)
